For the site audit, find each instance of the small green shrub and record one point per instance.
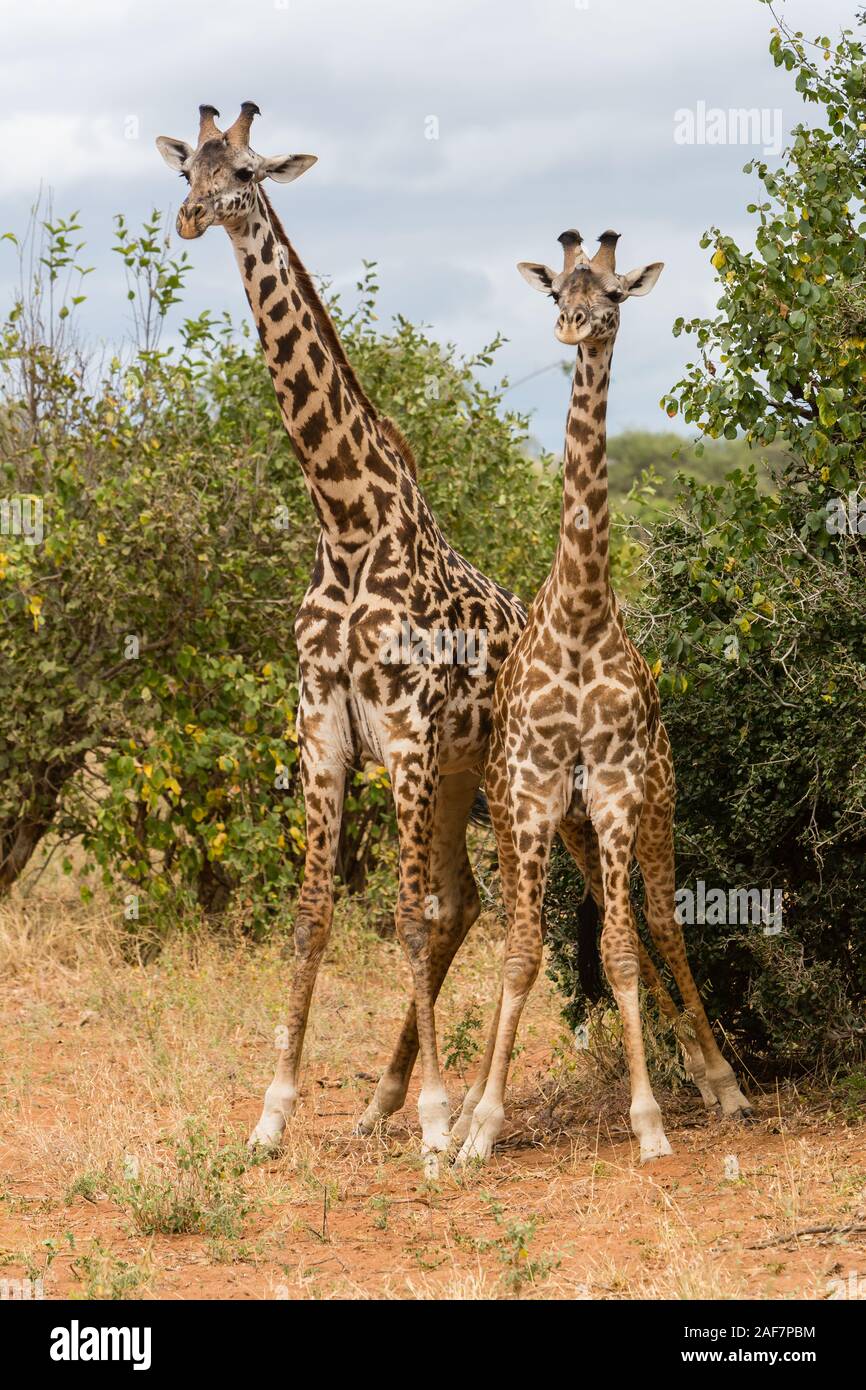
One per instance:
(203, 1194)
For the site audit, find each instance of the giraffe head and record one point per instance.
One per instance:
(587, 292)
(222, 171)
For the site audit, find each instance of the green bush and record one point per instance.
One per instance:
(771, 772)
(754, 607)
(148, 675)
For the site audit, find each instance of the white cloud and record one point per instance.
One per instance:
(549, 116)
(68, 149)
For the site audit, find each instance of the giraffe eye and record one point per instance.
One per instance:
(245, 175)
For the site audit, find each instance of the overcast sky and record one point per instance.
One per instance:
(551, 114)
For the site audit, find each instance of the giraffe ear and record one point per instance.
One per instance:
(285, 167)
(641, 281)
(540, 277)
(174, 152)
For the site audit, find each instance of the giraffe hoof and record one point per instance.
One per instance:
(267, 1136)
(459, 1133)
(741, 1114)
(711, 1105)
(735, 1106)
(431, 1167)
(657, 1147)
(474, 1151)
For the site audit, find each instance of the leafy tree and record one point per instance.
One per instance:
(783, 357)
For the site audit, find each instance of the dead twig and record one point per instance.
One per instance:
(853, 1229)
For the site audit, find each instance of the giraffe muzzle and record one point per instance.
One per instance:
(572, 328)
(192, 220)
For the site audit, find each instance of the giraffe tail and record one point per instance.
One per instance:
(480, 813)
(588, 955)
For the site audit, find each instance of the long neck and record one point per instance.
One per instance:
(581, 569)
(352, 459)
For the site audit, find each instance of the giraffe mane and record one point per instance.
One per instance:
(335, 346)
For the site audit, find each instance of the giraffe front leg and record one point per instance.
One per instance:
(524, 878)
(463, 1123)
(323, 784)
(621, 959)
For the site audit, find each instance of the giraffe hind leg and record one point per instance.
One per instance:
(584, 851)
(655, 855)
(457, 906)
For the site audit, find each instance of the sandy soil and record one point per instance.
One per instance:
(107, 1064)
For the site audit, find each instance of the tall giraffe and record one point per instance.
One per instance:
(574, 693)
(383, 573)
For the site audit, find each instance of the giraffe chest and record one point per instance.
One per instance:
(406, 652)
(561, 703)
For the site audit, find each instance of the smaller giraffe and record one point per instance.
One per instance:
(574, 693)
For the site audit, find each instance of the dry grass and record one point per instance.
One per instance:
(128, 1090)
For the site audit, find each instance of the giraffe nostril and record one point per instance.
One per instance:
(196, 210)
